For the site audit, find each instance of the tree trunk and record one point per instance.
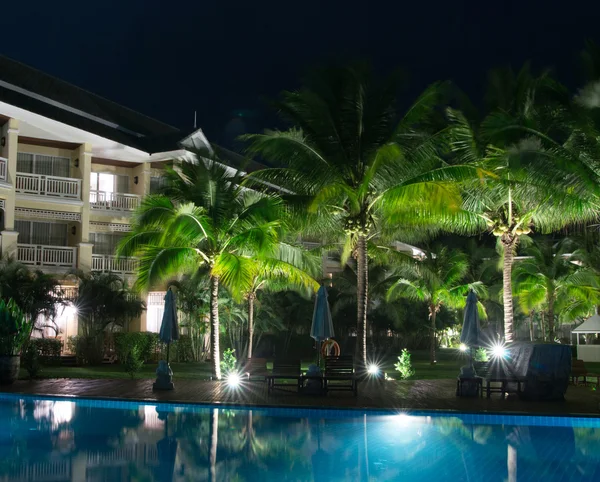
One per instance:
(214, 326)
(509, 242)
(250, 323)
(432, 314)
(551, 333)
(542, 326)
(362, 298)
(531, 328)
(214, 441)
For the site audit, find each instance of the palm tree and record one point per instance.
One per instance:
(538, 177)
(547, 280)
(204, 219)
(437, 279)
(356, 165)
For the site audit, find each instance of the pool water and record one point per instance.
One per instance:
(57, 440)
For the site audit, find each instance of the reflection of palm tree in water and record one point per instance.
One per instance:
(214, 440)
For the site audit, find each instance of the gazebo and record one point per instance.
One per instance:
(588, 353)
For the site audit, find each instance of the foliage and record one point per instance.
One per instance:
(229, 362)
(15, 328)
(404, 366)
(48, 349)
(133, 360)
(88, 349)
(481, 355)
(30, 360)
(144, 344)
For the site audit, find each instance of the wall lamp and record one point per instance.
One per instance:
(135, 179)
(3, 141)
(74, 230)
(76, 162)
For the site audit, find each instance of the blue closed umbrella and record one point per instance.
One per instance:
(471, 331)
(169, 328)
(322, 324)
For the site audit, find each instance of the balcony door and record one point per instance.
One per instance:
(109, 183)
(46, 165)
(42, 233)
(105, 243)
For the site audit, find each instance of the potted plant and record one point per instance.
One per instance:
(14, 333)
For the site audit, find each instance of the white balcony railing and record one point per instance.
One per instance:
(105, 262)
(113, 201)
(53, 186)
(3, 164)
(39, 255)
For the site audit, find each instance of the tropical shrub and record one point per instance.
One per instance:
(481, 355)
(30, 360)
(404, 365)
(133, 361)
(89, 350)
(229, 362)
(48, 349)
(144, 343)
(14, 328)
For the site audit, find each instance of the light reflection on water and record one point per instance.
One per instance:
(59, 440)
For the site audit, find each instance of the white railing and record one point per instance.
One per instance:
(3, 164)
(54, 186)
(39, 255)
(114, 201)
(105, 262)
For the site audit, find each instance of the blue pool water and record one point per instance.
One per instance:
(56, 440)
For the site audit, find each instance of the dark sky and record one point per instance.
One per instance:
(222, 58)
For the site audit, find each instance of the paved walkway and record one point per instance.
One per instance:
(415, 395)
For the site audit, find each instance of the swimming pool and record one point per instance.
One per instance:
(91, 440)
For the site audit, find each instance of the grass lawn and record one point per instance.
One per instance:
(448, 366)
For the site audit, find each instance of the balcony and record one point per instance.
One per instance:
(105, 262)
(3, 164)
(50, 186)
(113, 201)
(47, 256)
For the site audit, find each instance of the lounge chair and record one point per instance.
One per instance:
(256, 368)
(579, 370)
(340, 369)
(285, 370)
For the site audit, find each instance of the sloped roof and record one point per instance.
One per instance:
(43, 94)
(591, 325)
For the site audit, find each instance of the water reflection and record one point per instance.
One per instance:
(44, 440)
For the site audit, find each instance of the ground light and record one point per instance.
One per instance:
(373, 369)
(463, 347)
(498, 350)
(233, 379)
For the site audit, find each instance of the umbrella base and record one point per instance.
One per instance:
(163, 382)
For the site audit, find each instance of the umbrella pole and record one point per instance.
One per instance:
(168, 348)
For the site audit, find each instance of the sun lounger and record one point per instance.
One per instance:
(340, 369)
(284, 371)
(256, 369)
(579, 370)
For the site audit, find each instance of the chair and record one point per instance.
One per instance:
(579, 370)
(340, 369)
(256, 368)
(284, 370)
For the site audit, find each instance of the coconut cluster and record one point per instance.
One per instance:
(499, 227)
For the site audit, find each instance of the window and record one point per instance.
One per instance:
(102, 181)
(46, 165)
(44, 233)
(155, 308)
(105, 243)
(157, 184)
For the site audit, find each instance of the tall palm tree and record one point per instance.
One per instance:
(204, 219)
(437, 279)
(356, 164)
(539, 178)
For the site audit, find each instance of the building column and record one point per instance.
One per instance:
(83, 171)
(142, 173)
(10, 134)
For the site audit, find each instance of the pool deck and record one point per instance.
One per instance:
(407, 395)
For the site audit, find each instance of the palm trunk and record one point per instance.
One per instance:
(531, 328)
(542, 326)
(551, 333)
(362, 297)
(250, 323)
(214, 326)
(509, 242)
(432, 314)
(214, 440)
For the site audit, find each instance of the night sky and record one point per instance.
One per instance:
(223, 58)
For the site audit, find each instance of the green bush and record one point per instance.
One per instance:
(89, 350)
(31, 361)
(481, 355)
(48, 349)
(14, 328)
(144, 343)
(133, 362)
(228, 362)
(404, 365)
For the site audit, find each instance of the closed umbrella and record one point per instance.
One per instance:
(169, 329)
(471, 331)
(322, 324)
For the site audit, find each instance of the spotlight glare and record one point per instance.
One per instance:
(498, 351)
(373, 369)
(234, 379)
(463, 347)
